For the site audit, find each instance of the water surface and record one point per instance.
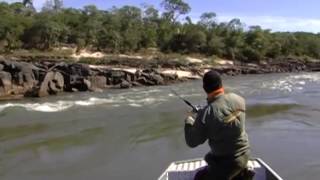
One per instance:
(136, 133)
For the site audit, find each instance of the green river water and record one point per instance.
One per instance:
(134, 134)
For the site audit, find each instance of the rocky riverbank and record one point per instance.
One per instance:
(20, 79)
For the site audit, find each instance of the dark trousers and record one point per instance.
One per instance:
(222, 168)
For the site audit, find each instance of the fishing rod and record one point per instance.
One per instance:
(195, 109)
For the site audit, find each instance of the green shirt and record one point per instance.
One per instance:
(222, 123)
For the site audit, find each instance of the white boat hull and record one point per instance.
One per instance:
(186, 170)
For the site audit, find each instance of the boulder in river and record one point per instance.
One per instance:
(157, 79)
(98, 82)
(52, 83)
(125, 84)
(5, 83)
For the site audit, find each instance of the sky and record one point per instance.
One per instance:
(277, 15)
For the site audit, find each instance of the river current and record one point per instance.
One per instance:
(135, 133)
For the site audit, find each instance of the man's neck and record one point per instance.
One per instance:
(214, 94)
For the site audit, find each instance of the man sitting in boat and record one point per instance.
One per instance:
(222, 123)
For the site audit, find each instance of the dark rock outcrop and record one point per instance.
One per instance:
(43, 78)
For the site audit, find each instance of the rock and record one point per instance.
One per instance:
(80, 83)
(44, 78)
(29, 80)
(169, 77)
(86, 85)
(149, 71)
(157, 79)
(136, 84)
(9, 66)
(109, 81)
(144, 81)
(130, 76)
(76, 83)
(74, 90)
(56, 85)
(117, 74)
(125, 84)
(5, 83)
(23, 74)
(52, 84)
(98, 82)
(44, 86)
(117, 77)
(144, 74)
(79, 69)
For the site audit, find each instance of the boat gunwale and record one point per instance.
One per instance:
(265, 165)
(260, 161)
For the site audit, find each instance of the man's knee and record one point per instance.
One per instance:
(203, 174)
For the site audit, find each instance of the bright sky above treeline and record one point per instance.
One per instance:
(278, 15)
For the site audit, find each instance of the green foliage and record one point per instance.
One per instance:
(130, 29)
(44, 34)
(175, 8)
(207, 20)
(53, 5)
(12, 25)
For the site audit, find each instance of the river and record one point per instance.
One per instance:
(135, 133)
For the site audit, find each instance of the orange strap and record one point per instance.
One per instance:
(216, 93)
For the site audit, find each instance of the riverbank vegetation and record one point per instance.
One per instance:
(131, 29)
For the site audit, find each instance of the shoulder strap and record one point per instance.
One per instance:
(233, 116)
(205, 113)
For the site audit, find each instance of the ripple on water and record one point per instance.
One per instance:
(163, 125)
(9, 133)
(261, 110)
(80, 138)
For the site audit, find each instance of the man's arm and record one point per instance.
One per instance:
(194, 130)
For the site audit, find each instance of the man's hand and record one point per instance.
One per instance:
(190, 118)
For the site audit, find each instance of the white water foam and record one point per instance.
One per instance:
(41, 107)
(95, 101)
(144, 101)
(115, 101)
(135, 105)
(292, 82)
(58, 105)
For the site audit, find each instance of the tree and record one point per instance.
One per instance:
(165, 33)
(175, 8)
(44, 34)
(28, 4)
(208, 20)
(91, 25)
(58, 5)
(150, 24)
(12, 25)
(48, 6)
(53, 5)
(257, 43)
(130, 19)
(109, 40)
(215, 45)
(130, 28)
(234, 40)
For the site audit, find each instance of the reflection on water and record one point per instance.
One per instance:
(260, 110)
(10, 133)
(164, 125)
(59, 143)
